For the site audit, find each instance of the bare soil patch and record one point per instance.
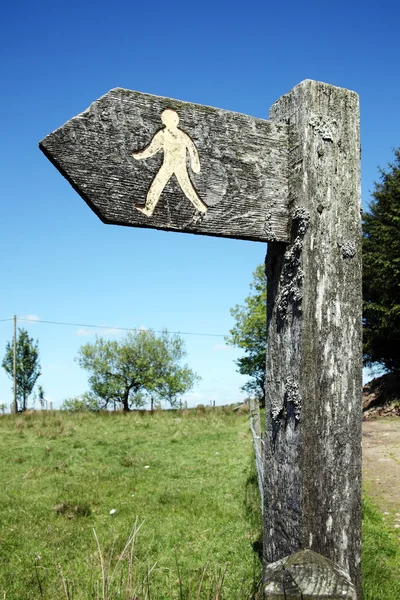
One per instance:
(381, 466)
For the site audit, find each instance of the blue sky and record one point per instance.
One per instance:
(58, 261)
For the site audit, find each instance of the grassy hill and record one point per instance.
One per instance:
(188, 475)
(140, 507)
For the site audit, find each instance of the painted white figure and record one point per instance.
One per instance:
(175, 143)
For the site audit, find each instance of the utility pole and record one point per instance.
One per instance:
(15, 365)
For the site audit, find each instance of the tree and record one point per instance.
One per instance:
(250, 334)
(140, 368)
(381, 272)
(85, 402)
(39, 395)
(27, 363)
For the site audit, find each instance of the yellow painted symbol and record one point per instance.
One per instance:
(175, 144)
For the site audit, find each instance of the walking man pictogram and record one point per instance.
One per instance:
(175, 143)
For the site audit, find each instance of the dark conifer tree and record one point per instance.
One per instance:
(381, 272)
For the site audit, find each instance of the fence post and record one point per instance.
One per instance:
(312, 475)
(255, 426)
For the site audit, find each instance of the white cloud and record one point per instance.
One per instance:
(29, 318)
(222, 348)
(55, 366)
(107, 331)
(193, 396)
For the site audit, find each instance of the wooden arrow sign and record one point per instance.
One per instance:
(146, 161)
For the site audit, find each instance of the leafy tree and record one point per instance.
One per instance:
(39, 395)
(250, 334)
(81, 403)
(381, 272)
(140, 368)
(28, 366)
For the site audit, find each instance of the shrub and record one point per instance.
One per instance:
(80, 404)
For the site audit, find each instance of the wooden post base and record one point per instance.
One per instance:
(304, 576)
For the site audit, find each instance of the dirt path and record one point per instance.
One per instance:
(381, 466)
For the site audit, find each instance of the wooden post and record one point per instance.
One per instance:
(255, 426)
(15, 406)
(312, 493)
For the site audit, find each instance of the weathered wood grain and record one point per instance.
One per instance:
(307, 575)
(312, 475)
(243, 160)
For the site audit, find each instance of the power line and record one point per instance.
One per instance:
(115, 328)
(3, 320)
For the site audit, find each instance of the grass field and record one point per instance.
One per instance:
(187, 476)
(381, 557)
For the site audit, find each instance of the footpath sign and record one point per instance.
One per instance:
(292, 181)
(146, 161)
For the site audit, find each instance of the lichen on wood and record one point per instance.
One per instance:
(292, 274)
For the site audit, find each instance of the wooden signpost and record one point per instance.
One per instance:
(294, 182)
(241, 181)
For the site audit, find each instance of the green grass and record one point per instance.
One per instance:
(380, 557)
(62, 473)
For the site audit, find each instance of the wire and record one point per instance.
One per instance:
(3, 320)
(115, 328)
